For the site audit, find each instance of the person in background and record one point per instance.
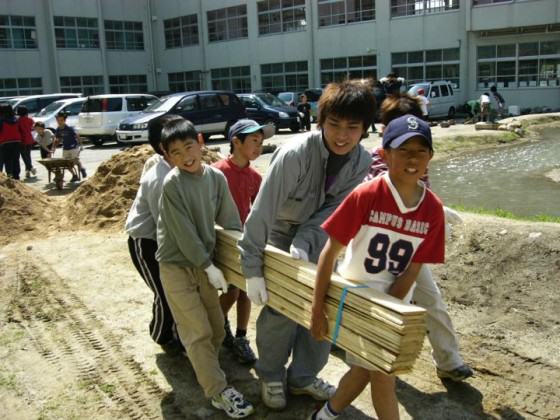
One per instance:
(26, 124)
(71, 144)
(497, 102)
(485, 107)
(304, 108)
(424, 103)
(44, 138)
(10, 141)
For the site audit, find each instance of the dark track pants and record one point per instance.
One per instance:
(143, 254)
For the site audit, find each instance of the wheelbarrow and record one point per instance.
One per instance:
(57, 166)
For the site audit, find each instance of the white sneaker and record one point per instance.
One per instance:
(27, 174)
(233, 403)
(273, 395)
(34, 171)
(318, 389)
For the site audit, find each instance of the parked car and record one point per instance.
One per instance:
(71, 107)
(35, 103)
(266, 108)
(313, 95)
(443, 101)
(212, 112)
(101, 114)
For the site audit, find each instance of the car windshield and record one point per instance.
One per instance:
(11, 102)
(49, 109)
(285, 96)
(163, 104)
(415, 88)
(270, 100)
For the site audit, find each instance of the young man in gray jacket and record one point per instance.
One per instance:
(306, 181)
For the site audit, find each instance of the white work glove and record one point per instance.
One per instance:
(298, 254)
(452, 217)
(216, 277)
(256, 290)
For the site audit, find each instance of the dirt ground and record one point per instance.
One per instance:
(74, 318)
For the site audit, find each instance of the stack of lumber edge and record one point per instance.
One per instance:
(380, 330)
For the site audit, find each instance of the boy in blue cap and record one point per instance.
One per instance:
(390, 226)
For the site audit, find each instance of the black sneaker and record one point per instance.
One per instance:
(243, 351)
(83, 172)
(457, 375)
(229, 339)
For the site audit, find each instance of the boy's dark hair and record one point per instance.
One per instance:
(61, 114)
(241, 138)
(155, 127)
(39, 124)
(177, 130)
(350, 99)
(22, 111)
(397, 105)
(493, 89)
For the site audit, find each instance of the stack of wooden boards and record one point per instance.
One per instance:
(381, 331)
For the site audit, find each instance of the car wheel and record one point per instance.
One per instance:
(97, 141)
(294, 128)
(451, 113)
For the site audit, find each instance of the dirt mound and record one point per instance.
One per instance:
(103, 201)
(22, 208)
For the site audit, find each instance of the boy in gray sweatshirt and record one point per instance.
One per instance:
(195, 197)
(307, 179)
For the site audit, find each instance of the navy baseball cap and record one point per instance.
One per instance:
(403, 128)
(250, 126)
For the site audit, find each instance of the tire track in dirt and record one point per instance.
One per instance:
(70, 336)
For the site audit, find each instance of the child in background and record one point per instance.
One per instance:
(485, 107)
(387, 257)
(10, 141)
(304, 108)
(141, 226)
(195, 197)
(424, 104)
(71, 143)
(307, 179)
(246, 139)
(44, 138)
(26, 126)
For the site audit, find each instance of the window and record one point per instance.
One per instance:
(481, 2)
(17, 32)
(291, 76)
(187, 104)
(526, 64)
(237, 79)
(102, 105)
(20, 87)
(434, 92)
(73, 109)
(125, 35)
(276, 16)
(226, 24)
(249, 102)
(136, 83)
(88, 85)
(340, 12)
(420, 7)
(76, 32)
(184, 81)
(428, 66)
(181, 31)
(356, 67)
(138, 103)
(209, 102)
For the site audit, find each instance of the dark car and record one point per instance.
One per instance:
(266, 108)
(212, 112)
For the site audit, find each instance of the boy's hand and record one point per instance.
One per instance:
(319, 324)
(256, 290)
(298, 254)
(216, 277)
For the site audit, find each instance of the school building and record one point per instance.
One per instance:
(100, 46)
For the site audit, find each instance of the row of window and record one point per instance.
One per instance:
(428, 65)
(88, 85)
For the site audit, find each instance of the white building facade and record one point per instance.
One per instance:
(99, 46)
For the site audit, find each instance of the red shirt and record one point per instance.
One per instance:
(10, 132)
(382, 235)
(26, 125)
(244, 184)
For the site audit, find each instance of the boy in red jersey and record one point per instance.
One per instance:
(246, 139)
(391, 226)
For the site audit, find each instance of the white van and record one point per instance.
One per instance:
(71, 107)
(443, 101)
(101, 114)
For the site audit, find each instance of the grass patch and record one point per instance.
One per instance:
(8, 381)
(108, 389)
(505, 214)
(525, 123)
(458, 143)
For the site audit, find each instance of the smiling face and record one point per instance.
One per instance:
(251, 148)
(408, 162)
(186, 154)
(342, 134)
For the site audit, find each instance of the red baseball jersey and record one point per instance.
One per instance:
(382, 235)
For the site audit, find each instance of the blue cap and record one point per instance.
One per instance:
(403, 128)
(250, 126)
